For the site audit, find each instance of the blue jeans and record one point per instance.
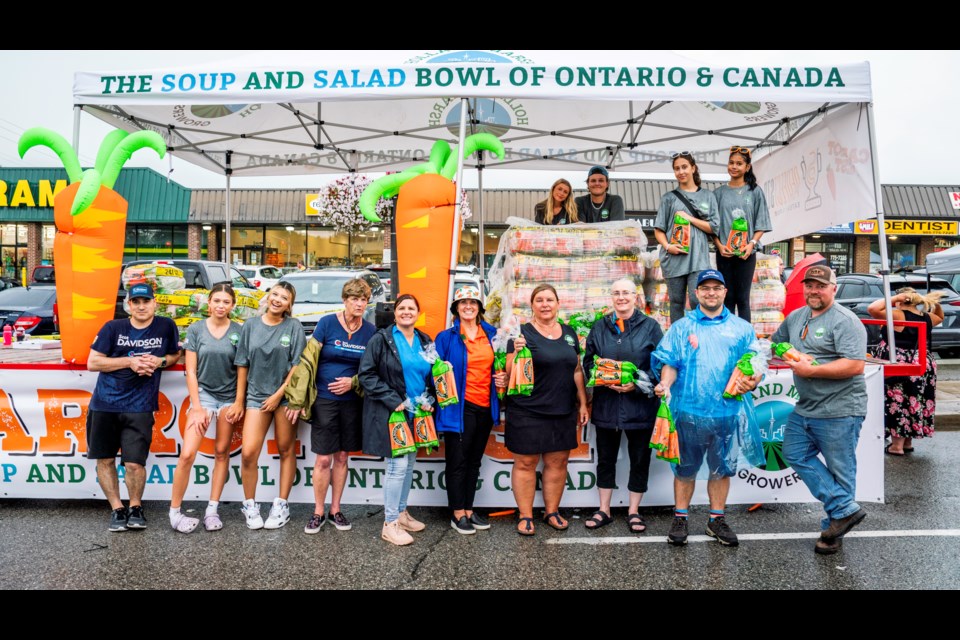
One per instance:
(834, 483)
(396, 487)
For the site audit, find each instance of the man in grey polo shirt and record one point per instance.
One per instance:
(832, 402)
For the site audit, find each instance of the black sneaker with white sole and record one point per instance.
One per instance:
(136, 519)
(316, 523)
(719, 529)
(678, 531)
(118, 520)
(479, 522)
(462, 525)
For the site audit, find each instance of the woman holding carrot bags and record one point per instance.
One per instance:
(743, 220)
(268, 352)
(544, 423)
(392, 370)
(468, 346)
(217, 394)
(627, 335)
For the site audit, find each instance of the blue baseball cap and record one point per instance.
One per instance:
(598, 169)
(710, 274)
(140, 291)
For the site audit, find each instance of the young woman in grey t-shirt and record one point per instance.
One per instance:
(211, 347)
(269, 350)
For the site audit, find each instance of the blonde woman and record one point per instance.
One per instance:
(910, 401)
(559, 207)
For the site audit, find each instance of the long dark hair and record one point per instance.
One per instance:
(689, 158)
(226, 288)
(749, 176)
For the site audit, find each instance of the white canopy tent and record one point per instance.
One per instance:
(281, 113)
(947, 261)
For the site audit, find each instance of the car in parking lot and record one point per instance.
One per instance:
(262, 276)
(8, 283)
(856, 291)
(318, 293)
(31, 308)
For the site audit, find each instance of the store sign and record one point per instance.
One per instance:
(955, 199)
(838, 229)
(313, 202)
(23, 193)
(908, 227)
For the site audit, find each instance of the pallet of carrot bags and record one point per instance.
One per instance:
(655, 289)
(580, 261)
(767, 296)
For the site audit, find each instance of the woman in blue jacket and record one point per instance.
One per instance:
(626, 335)
(468, 346)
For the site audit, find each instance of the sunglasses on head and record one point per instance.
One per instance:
(743, 150)
(681, 154)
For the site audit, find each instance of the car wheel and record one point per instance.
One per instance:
(948, 353)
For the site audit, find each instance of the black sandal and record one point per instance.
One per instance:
(635, 523)
(597, 520)
(527, 530)
(550, 517)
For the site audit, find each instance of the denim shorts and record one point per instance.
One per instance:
(210, 403)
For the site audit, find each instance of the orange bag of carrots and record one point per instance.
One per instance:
(681, 233)
(401, 440)
(521, 377)
(665, 439)
(789, 353)
(424, 429)
(91, 221)
(443, 380)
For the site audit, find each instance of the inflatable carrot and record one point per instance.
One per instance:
(681, 233)
(787, 352)
(428, 228)
(401, 440)
(91, 221)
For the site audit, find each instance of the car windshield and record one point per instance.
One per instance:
(27, 297)
(248, 273)
(319, 289)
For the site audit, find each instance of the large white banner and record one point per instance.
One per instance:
(824, 178)
(43, 448)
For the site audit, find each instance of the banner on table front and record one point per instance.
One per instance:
(43, 452)
(824, 178)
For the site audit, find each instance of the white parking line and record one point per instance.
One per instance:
(893, 533)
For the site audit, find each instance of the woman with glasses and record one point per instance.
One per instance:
(689, 215)
(559, 207)
(910, 401)
(627, 335)
(743, 220)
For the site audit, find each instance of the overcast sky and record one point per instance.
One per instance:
(915, 98)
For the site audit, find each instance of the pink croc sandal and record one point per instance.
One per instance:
(184, 524)
(212, 522)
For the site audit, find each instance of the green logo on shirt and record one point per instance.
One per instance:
(819, 332)
(285, 340)
(234, 338)
(569, 340)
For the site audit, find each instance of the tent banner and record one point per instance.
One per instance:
(823, 179)
(43, 452)
(271, 77)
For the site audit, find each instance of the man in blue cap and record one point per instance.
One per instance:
(599, 206)
(129, 354)
(694, 361)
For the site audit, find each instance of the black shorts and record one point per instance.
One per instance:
(128, 433)
(336, 426)
(528, 433)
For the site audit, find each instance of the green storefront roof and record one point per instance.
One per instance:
(149, 196)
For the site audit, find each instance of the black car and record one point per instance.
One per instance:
(857, 290)
(8, 283)
(30, 308)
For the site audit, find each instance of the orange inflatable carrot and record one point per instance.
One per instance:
(428, 229)
(91, 222)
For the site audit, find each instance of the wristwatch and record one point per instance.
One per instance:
(163, 363)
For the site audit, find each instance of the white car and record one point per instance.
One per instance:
(318, 293)
(262, 276)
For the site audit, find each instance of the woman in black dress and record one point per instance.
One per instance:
(544, 424)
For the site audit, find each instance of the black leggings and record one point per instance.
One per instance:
(638, 448)
(738, 274)
(464, 452)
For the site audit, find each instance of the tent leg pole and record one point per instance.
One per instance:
(76, 129)
(226, 244)
(881, 236)
(480, 236)
(457, 215)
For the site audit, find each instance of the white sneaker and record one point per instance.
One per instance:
(394, 534)
(252, 513)
(279, 514)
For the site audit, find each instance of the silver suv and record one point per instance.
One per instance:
(318, 293)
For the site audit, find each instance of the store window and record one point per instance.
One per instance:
(326, 248)
(285, 246)
(366, 247)
(839, 255)
(470, 244)
(13, 249)
(903, 255)
(46, 243)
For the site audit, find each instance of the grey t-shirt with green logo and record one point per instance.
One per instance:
(270, 353)
(216, 371)
(741, 202)
(834, 334)
(699, 257)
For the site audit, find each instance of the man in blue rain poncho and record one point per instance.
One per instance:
(694, 361)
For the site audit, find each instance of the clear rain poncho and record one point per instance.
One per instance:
(705, 351)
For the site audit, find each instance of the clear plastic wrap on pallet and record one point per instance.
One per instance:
(655, 290)
(767, 296)
(189, 305)
(162, 277)
(580, 261)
